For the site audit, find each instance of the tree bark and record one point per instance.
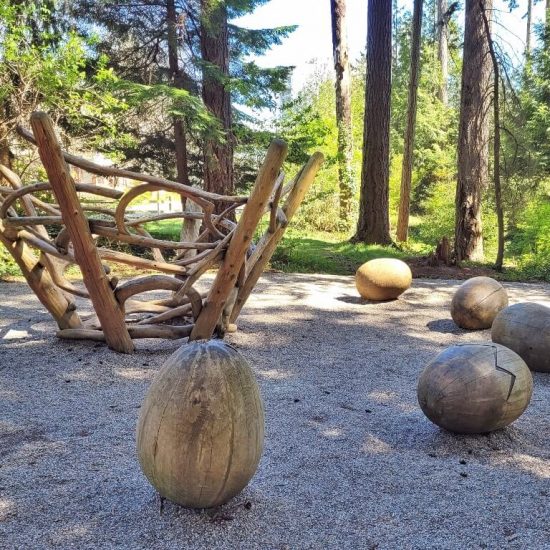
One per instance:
(473, 134)
(5, 154)
(190, 228)
(218, 157)
(180, 143)
(443, 49)
(343, 107)
(496, 142)
(373, 225)
(406, 172)
(528, 30)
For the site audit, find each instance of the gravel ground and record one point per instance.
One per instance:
(350, 461)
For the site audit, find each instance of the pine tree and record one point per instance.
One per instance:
(343, 107)
(406, 173)
(373, 225)
(137, 37)
(473, 135)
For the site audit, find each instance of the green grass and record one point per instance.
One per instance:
(167, 230)
(330, 253)
(305, 252)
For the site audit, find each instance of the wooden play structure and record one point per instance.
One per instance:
(211, 240)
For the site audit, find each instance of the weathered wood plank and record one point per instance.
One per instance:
(40, 281)
(235, 255)
(267, 244)
(86, 254)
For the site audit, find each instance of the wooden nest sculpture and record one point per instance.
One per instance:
(216, 241)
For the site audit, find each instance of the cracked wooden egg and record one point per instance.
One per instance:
(475, 388)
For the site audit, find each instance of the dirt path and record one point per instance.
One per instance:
(350, 460)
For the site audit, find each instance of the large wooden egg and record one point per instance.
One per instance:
(477, 302)
(525, 328)
(475, 388)
(201, 427)
(383, 279)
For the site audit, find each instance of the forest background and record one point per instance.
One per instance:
(127, 79)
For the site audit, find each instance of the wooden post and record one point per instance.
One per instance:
(234, 258)
(268, 243)
(38, 278)
(106, 307)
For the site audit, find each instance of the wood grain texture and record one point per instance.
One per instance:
(475, 388)
(525, 329)
(476, 303)
(234, 257)
(269, 241)
(201, 426)
(86, 254)
(41, 283)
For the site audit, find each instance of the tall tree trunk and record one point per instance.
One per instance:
(443, 49)
(473, 134)
(190, 228)
(176, 75)
(343, 107)
(218, 157)
(496, 144)
(408, 148)
(528, 30)
(373, 225)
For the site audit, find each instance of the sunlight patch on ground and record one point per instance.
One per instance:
(7, 508)
(375, 445)
(15, 334)
(537, 466)
(275, 374)
(383, 397)
(332, 432)
(135, 374)
(6, 395)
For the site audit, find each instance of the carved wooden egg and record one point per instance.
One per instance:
(477, 302)
(475, 388)
(201, 427)
(525, 328)
(383, 279)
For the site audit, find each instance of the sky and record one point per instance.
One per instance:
(312, 40)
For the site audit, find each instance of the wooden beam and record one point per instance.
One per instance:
(86, 254)
(38, 278)
(227, 274)
(268, 243)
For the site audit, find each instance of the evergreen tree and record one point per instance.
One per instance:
(343, 108)
(137, 37)
(406, 172)
(473, 151)
(373, 225)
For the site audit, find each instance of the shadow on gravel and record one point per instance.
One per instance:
(445, 326)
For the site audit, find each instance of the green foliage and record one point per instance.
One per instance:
(529, 242)
(8, 267)
(44, 69)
